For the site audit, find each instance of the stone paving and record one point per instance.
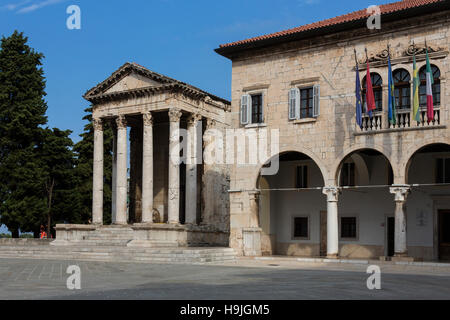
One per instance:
(246, 279)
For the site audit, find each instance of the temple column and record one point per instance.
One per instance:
(174, 167)
(121, 174)
(147, 169)
(191, 168)
(332, 194)
(400, 192)
(114, 175)
(97, 188)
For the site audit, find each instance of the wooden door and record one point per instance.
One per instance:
(444, 234)
(390, 236)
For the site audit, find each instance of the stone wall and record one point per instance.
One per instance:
(329, 61)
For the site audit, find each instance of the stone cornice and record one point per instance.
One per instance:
(98, 93)
(381, 59)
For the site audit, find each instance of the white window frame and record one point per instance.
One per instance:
(249, 95)
(294, 99)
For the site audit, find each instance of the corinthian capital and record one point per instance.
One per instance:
(174, 115)
(400, 192)
(121, 122)
(98, 124)
(210, 124)
(147, 118)
(193, 119)
(332, 193)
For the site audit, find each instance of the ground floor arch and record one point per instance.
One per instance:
(287, 212)
(366, 207)
(428, 173)
(365, 214)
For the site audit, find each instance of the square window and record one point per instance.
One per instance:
(348, 174)
(443, 170)
(257, 108)
(306, 102)
(301, 227)
(302, 177)
(348, 227)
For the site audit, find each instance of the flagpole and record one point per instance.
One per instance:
(358, 94)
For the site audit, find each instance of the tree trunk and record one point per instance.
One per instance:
(49, 205)
(15, 233)
(49, 221)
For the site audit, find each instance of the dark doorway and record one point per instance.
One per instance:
(444, 234)
(323, 233)
(390, 236)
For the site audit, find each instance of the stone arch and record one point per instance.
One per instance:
(350, 151)
(407, 160)
(315, 158)
(407, 67)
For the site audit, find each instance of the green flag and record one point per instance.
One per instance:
(416, 83)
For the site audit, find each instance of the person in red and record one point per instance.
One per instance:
(43, 234)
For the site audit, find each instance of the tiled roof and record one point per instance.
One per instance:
(353, 16)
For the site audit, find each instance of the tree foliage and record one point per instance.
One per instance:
(44, 178)
(22, 113)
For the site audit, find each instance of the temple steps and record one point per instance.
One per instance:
(120, 253)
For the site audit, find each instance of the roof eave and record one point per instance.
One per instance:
(230, 52)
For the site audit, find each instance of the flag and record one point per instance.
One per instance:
(416, 84)
(430, 82)
(370, 98)
(391, 98)
(358, 99)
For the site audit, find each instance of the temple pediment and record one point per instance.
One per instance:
(131, 82)
(135, 80)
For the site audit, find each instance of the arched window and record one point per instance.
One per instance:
(402, 89)
(377, 83)
(436, 86)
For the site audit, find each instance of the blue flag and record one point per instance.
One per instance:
(358, 100)
(391, 98)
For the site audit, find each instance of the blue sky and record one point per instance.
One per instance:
(172, 37)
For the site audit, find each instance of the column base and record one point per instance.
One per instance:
(402, 257)
(333, 256)
(119, 223)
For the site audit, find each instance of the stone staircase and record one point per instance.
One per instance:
(117, 253)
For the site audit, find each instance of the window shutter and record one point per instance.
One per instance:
(262, 107)
(293, 104)
(316, 101)
(249, 109)
(297, 103)
(245, 107)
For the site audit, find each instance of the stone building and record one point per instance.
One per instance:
(164, 200)
(382, 190)
(340, 190)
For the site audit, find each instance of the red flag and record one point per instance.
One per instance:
(370, 98)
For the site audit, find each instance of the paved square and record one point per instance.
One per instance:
(262, 280)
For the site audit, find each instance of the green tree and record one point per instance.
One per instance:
(57, 166)
(22, 113)
(84, 151)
